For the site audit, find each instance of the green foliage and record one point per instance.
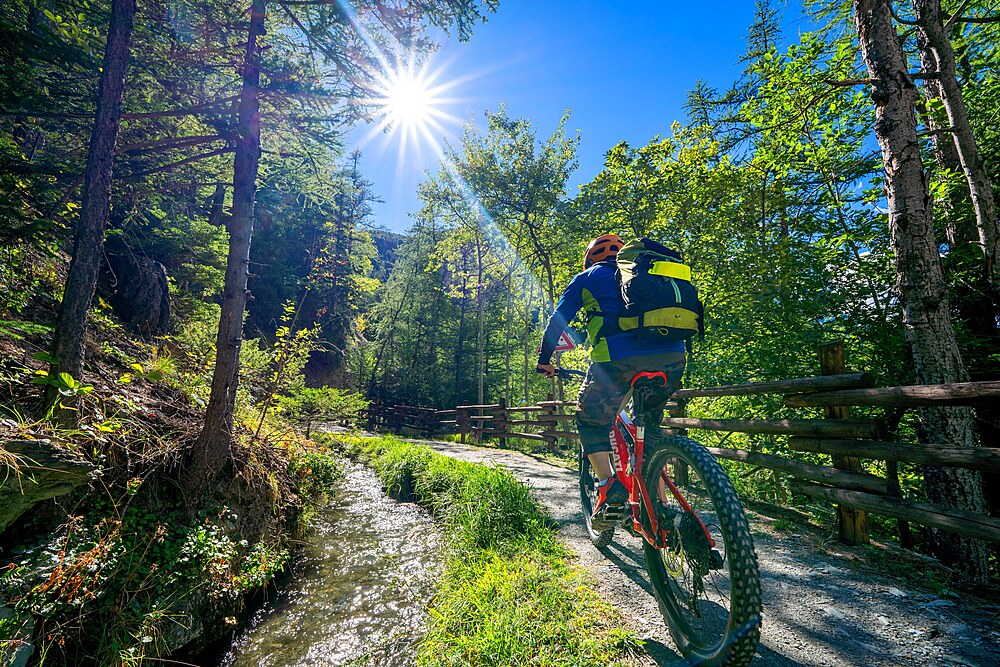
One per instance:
(497, 611)
(315, 472)
(140, 372)
(108, 588)
(309, 404)
(64, 383)
(277, 370)
(479, 269)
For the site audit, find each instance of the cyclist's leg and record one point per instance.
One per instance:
(597, 404)
(600, 397)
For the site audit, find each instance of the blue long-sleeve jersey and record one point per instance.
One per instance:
(596, 291)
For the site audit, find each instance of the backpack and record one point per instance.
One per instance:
(658, 296)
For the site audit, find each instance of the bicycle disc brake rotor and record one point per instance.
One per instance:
(689, 558)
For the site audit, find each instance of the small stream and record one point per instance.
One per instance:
(359, 590)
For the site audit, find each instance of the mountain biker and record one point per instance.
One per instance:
(615, 359)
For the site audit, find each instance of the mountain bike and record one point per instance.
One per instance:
(696, 539)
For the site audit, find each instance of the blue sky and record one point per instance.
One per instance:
(621, 68)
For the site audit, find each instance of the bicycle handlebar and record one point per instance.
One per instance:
(565, 373)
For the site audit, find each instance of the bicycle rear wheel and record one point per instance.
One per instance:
(588, 496)
(709, 595)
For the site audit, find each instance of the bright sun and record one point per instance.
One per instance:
(408, 101)
(409, 105)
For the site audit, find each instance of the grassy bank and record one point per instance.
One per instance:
(507, 595)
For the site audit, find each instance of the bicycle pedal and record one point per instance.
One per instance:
(609, 517)
(617, 514)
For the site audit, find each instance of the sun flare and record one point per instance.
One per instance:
(408, 101)
(409, 108)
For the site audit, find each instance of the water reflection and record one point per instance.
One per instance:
(359, 593)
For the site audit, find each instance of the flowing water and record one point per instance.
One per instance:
(360, 590)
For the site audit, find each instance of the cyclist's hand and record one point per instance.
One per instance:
(548, 370)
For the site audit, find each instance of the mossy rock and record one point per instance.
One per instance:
(37, 470)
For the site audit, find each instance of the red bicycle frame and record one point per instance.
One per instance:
(628, 456)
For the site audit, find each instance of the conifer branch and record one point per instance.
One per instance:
(188, 160)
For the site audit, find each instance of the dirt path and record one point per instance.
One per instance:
(823, 604)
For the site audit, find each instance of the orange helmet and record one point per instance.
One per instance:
(603, 247)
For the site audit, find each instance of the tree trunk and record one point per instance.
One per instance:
(960, 230)
(929, 19)
(507, 326)
(977, 306)
(67, 346)
(920, 279)
(213, 448)
(480, 341)
(458, 351)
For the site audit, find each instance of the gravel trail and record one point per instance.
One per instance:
(824, 604)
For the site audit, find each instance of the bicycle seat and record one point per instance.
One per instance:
(649, 379)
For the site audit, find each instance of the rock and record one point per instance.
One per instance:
(833, 612)
(895, 592)
(41, 471)
(136, 287)
(937, 603)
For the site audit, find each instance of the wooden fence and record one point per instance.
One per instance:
(550, 423)
(845, 439)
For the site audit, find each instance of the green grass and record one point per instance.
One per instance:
(508, 595)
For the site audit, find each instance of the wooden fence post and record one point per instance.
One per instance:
(462, 422)
(852, 524)
(550, 424)
(500, 422)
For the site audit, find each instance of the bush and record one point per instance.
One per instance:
(117, 585)
(315, 472)
(307, 405)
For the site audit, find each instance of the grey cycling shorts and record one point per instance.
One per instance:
(606, 387)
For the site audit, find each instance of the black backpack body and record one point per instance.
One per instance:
(660, 299)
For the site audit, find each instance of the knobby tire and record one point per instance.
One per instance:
(720, 625)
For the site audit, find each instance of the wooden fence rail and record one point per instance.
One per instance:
(846, 440)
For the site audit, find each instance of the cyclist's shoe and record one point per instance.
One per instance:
(610, 508)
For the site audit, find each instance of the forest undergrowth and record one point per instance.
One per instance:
(127, 569)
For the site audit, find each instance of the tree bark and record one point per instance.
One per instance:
(920, 279)
(930, 25)
(975, 292)
(213, 448)
(458, 351)
(67, 346)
